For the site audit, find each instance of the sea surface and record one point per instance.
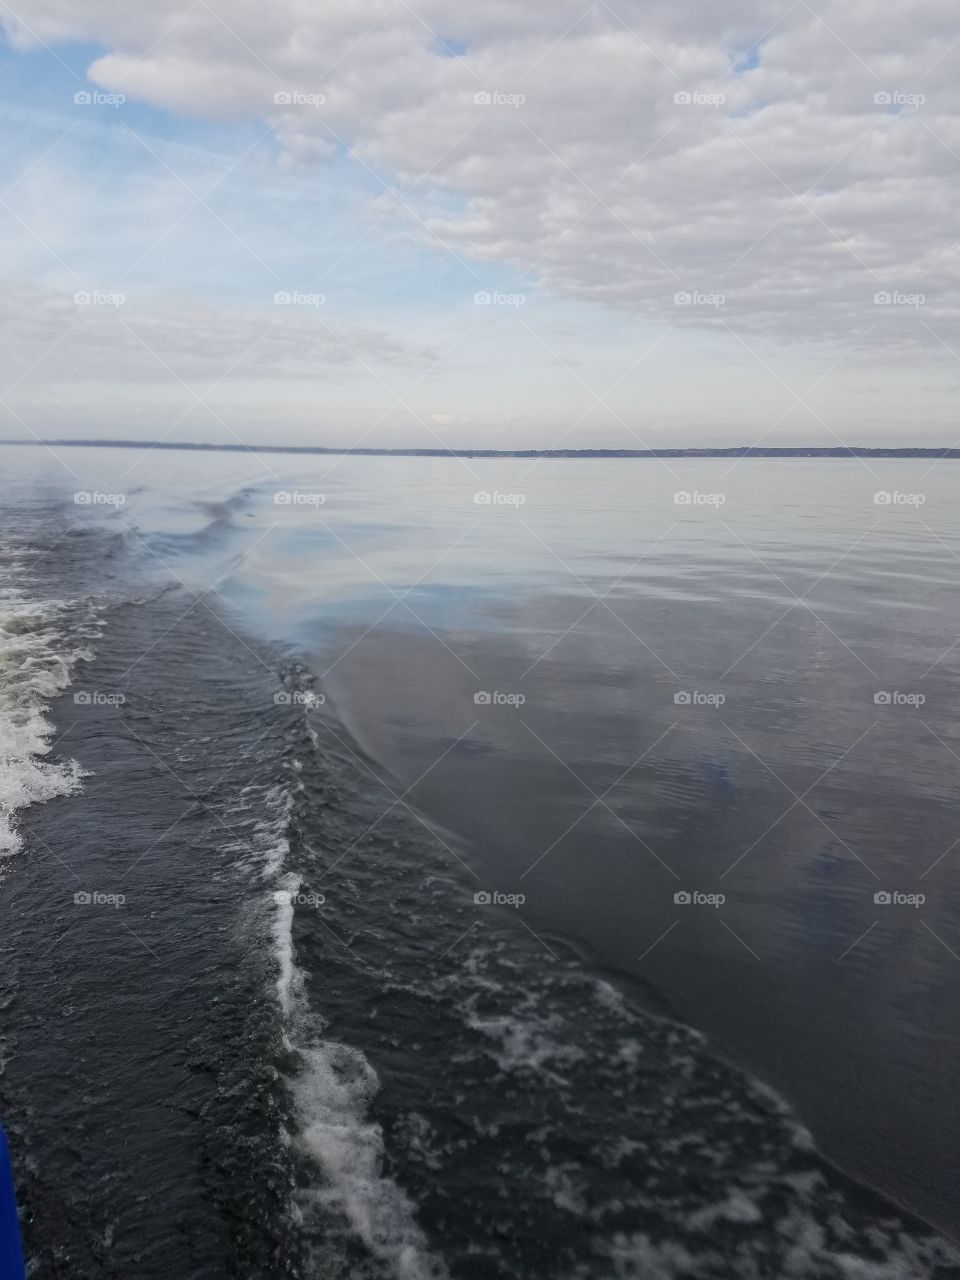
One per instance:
(441, 867)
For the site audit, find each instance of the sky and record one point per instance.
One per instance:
(447, 225)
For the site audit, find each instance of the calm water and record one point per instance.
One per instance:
(452, 803)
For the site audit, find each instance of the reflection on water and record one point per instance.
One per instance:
(719, 745)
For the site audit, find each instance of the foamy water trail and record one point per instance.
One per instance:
(332, 1090)
(37, 662)
(287, 972)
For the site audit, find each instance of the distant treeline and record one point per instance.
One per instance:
(741, 451)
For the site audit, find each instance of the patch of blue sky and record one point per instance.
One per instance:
(450, 47)
(748, 60)
(50, 79)
(151, 202)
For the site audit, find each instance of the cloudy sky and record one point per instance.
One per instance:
(494, 224)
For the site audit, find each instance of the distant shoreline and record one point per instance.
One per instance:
(740, 451)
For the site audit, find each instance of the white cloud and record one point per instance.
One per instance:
(786, 188)
(100, 363)
(99, 334)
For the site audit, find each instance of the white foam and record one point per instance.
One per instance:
(526, 1044)
(737, 1207)
(332, 1091)
(36, 663)
(637, 1257)
(287, 973)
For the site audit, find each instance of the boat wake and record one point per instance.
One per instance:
(351, 1214)
(41, 644)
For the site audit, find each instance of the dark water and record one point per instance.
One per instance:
(278, 1034)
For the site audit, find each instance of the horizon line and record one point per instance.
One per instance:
(695, 451)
